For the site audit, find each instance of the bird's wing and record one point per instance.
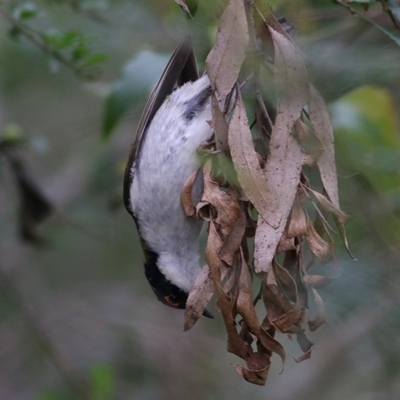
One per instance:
(181, 68)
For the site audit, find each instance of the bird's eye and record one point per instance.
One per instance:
(172, 300)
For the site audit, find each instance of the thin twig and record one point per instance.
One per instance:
(32, 36)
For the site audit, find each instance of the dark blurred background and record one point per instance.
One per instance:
(77, 317)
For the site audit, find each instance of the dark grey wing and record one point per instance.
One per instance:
(181, 68)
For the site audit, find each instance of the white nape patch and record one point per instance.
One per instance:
(179, 269)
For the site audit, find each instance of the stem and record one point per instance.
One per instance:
(34, 38)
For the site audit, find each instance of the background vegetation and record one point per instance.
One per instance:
(77, 318)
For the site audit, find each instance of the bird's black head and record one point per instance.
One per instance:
(166, 292)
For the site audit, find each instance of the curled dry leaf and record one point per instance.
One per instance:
(199, 296)
(304, 356)
(247, 167)
(317, 281)
(186, 196)
(309, 142)
(245, 308)
(183, 5)
(319, 247)
(329, 207)
(220, 126)
(321, 316)
(233, 240)
(258, 377)
(225, 207)
(323, 130)
(283, 168)
(297, 222)
(226, 57)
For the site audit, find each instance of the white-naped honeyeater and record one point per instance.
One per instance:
(173, 125)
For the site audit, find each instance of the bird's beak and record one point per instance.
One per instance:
(207, 314)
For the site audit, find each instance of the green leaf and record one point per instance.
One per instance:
(12, 133)
(14, 33)
(95, 59)
(138, 77)
(60, 40)
(80, 52)
(50, 395)
(103, 381)
(25, 11)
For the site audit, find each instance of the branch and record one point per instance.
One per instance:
(35, 38)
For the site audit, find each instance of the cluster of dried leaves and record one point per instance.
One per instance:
(271, 204)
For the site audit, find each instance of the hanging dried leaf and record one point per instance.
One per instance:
(317, 281)
(318, 246)
(298, 221)
(329, 207)
(233, 240)
(199, 296)
(220, 126)
(283, 168)
(183, 5)
(247, 167)
(226, 57)
(285, 243)
(225, 207)
(258, 377)
(311, 145)
(323, 130)
(321, 316)
(186, 196)
(270, 197)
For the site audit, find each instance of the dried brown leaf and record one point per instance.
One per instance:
(235, 343)
(290, 77)
(319, 247)
(323, 130)
(303, 341)
(225, 207)
(233, 240)
(321, 317)
(183, 5)
(329, 207)
(199, 296)
(317, 281)
(247, 167)
(286, 321)
(298, 221)
(220, 126)
(283, 167)
(267, 236)
(226, 57)
(258, 377)
(304, 356)
(342, 232)
(285, 243)
(309, 142)
(186, 196)
(275, 302)
(246, 309)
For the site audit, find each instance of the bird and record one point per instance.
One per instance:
(174, 123)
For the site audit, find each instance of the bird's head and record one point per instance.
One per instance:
(166, 291)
